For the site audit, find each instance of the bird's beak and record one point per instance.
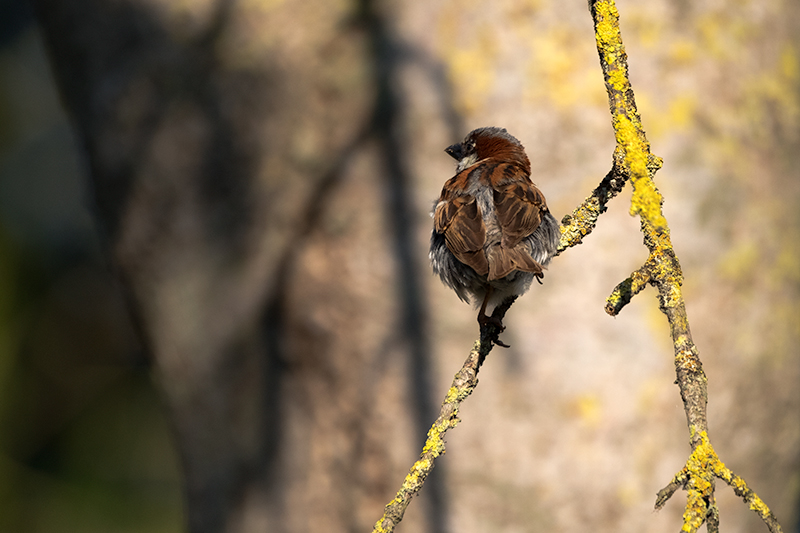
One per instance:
(455, 151)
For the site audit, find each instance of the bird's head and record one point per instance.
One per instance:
(488, 143)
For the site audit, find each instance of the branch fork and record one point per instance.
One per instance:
(662, 270)
(697, 478)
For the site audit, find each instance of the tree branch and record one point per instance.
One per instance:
(662, 270)
(463, 384)
(575, 226)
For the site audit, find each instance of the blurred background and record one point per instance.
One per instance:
(216, 311)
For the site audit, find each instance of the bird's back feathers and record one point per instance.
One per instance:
(486, 233)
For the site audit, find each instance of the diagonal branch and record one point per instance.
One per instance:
(464, 382)
(626, 290)
(581, 222)
(741, 489)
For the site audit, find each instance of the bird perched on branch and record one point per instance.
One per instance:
(492, 231)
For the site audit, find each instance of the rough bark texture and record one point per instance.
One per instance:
(662, 270)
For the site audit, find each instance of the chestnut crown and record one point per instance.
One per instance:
(488, 143)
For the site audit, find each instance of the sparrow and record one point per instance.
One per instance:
(492, 231)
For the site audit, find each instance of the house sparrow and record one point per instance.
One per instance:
(492, 231)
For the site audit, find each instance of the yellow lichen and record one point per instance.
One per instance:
(453, 395)
(646, 200)
(434, 444)
(575, 226)
(607, 29)
(758, 505)
(699, 470)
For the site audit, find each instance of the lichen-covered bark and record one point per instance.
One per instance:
(464, 382)
(662, 270)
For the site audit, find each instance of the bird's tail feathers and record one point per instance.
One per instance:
(503, 261)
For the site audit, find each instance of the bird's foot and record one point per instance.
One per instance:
(539, 276)
(491, 328)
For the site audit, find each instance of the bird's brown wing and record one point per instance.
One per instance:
(458, 217)
(518, 202)
(519, 205)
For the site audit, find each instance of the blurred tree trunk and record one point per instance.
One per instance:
(249, 233)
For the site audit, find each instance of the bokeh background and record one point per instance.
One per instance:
(216, 312)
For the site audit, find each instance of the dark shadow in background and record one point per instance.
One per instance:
(127, 46)
(15, 17)
(389, 131)
(139, 49)
(83, 439)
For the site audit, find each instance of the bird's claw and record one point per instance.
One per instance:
(497, 324)
(498, 342)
